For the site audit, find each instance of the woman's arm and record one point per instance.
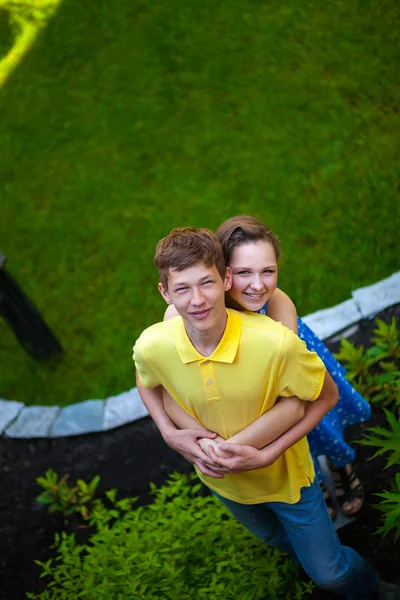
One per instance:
(268, 427)
(272, 424)
(246, 457)
(170, 312)
(260, 433)
(281, 308)
(287, 411)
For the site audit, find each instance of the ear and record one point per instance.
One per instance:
(228, 279)
(164, 293)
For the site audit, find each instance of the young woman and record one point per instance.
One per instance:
(252, 252)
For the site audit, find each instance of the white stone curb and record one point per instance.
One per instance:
(20, 421)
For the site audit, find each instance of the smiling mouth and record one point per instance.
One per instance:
(254, 296)
(200, 314)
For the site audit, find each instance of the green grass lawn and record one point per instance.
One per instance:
(128, 118)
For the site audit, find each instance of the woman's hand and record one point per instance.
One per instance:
(243, 458)
(204, 444)
(185, 442)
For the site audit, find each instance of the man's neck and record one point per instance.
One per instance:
(205, 342)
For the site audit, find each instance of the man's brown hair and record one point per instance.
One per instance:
(242, 230)
(185, 247)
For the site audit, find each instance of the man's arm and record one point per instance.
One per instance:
(184, 442)
(246, 458)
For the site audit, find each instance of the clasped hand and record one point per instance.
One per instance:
(215, 457)
(234, 458)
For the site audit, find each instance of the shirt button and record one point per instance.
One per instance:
(206, 362)
(209, 382)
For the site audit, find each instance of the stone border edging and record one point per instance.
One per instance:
(20, 421)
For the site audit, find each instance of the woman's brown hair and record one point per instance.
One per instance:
(241, 230)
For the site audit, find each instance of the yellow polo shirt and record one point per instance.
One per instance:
(256, 361)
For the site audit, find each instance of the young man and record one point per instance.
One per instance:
(226, 369)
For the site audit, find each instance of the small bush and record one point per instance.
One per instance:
(375, 372)
(387, 440)
(182, 546)
(62, 497)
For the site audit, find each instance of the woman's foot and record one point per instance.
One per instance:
(328, 501)
(349, 491)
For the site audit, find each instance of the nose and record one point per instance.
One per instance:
(197, 297)
(256, 282)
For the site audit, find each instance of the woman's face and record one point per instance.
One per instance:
(254, 274)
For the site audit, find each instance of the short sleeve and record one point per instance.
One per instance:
(147, 376)
(301, 373)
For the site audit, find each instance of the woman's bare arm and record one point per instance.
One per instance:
(272, 424)
(281, 308)
(260, 433)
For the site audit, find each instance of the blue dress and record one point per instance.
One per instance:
(327, 437)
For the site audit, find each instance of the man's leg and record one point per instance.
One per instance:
(315, 542)
(262, 522)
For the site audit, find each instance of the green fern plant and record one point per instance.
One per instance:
(387, 440)
(385, 387)
(387, 340)
(390, 506)
(375, 372)
(358, 363)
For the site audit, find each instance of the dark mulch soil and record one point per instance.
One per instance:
(129, 458)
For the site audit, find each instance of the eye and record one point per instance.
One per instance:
(242, 272)
(269, 271)
(207, 282)
(180, 290)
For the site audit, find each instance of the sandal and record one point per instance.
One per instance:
(328, 501)
(347, 490)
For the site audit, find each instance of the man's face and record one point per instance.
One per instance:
(198, 294)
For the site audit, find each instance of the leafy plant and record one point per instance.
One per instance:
(184, 545)
(387, 340)
(61, 497)
(370, 371)
(385, 387)
(384, 439)
(358, 362)
(390, 506)
(387, 441)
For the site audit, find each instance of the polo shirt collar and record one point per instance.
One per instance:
(226, 350)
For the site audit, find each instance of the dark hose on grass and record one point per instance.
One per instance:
(24, 318)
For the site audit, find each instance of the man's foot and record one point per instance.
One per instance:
(349, 491)
(328, 502)
(388, 591)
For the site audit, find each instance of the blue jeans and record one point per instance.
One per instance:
(305, 531)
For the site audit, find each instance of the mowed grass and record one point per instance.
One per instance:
(130, 117)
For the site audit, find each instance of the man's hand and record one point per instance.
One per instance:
(245, 458)
(185, 443)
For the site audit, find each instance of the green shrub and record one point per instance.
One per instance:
(182, 546)
(375, 372)
(390, 506)
(62, 497)
(387, 440)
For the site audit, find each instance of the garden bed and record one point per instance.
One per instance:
(129, 458)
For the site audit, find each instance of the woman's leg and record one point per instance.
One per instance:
(348, 488)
